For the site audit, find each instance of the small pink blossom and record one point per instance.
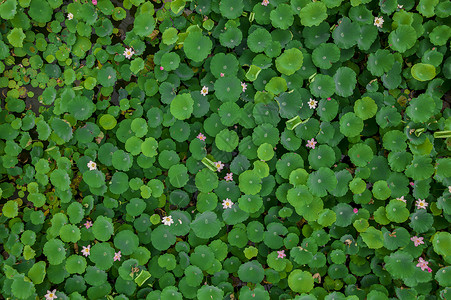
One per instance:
(312, 103)
(311, 143)
(219, 165)
(378, 21)
(128, 52)
(167, 220)
(201, 136)
(86, 250)
(422, 264)
(328, 99)
(204, 91)
(421, 204)
(281, 254)
(244, 86)
(402, 199)
(92, 165)
(265, 2)
(229, 177)
(429, 270)
(222, 74)
(94, 2)
(50, 295)
(88, 224)
(411, 183)
(161, 68)
(227, 203)
(417, 240)
(355, 210)
(117, 256)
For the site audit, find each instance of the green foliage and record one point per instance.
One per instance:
(225, 149)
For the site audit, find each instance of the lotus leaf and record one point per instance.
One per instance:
(441, 243)
(313, 14)
(373, 238)
(226, 140)
(300, 281)
(351, 124)
(197, 46)
(54, 251)
(22, 287)
(102, 256)
(16, 37)
(346, 34)
(228, 89)
(423, 72)
(205, 149)
(102, 228)
(403, 38)
(325, 55)
(144, 24)
(206, 225)
(289, 61)
(251, 271)
(399, 264)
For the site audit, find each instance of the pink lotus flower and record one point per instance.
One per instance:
(88, 224)
(281, 254)
(86, 250)
(229, 177)
(265, 2)
(417, 240)
(167, 220)
(161, 68)
(355, 210)
(422, 264)
(222, 74)
(219, 165)
(311, 143)
(227, 203)
(328, 99)
(421, 204)
(244, 86)
(312, 103)
(50, 295)
(117, 256)
(92, 165)
(402, 199)
(201, 136)
(128, 52)
(94, 2)
(378, 21)
(411, 183)
(204, 91)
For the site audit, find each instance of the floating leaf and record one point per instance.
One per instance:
(300, 281)
(289, 61)
(182, 106)
(197, 46)
(423, 72)
(313, 14)
(373, 238)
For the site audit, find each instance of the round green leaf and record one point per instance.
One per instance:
(300, 281)
(423, 72)
(182, 106)
(197, 46)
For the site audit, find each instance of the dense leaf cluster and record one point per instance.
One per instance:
(225, 149)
